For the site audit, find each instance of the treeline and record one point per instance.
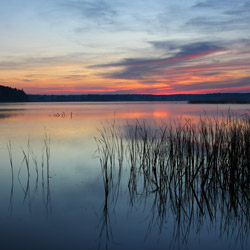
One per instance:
(225, 101)
(192, 98)
(8, 94)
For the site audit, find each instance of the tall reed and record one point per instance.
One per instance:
(110, 151)
(9, 148)
(199, 171)
(30, 157)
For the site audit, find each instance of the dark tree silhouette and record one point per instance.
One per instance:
(8, 94)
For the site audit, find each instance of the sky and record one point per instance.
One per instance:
(125, 47)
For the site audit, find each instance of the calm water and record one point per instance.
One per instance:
(56, 198)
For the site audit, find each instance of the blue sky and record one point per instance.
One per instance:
(155, 47)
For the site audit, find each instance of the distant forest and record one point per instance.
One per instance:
(191, 98)
(8, 94)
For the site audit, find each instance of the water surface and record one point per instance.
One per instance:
(62, 202)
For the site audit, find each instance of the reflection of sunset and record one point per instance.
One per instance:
(131, 115)
(66, 113)
(160, 114)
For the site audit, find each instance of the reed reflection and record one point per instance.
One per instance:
(7, 112)
(108, 150)
(9, 148)
(196, 173)
(29, 167)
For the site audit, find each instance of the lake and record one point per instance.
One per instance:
(55, 193)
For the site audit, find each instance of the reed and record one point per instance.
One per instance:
(110, 151)
(9, 148)
(47, 141)
(26, 159)
(199, 171)
(32, 179)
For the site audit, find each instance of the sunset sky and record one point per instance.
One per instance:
(123, 46)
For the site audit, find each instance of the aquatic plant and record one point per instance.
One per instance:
(30, 157)
(110, 148)
(198, 171)
(62, 115)
(9, 148)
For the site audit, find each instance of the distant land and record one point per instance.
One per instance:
(222, 101)
(191, 98)
(8, 94)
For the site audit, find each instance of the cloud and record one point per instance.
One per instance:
(219, 24)
(197, 66)
(223, 15)
(238, 85)
(224, 4)
(74, 77)
(185, 52)
(165, 45)
(12, 63)
(141, 68)
(198, 48)
(92, 9)
(203, 5)
(229, 84)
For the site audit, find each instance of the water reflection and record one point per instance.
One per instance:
(10, 113)
(9, 148)
(145, 191)
(196, 176)
(29, 177)
(108, 149)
